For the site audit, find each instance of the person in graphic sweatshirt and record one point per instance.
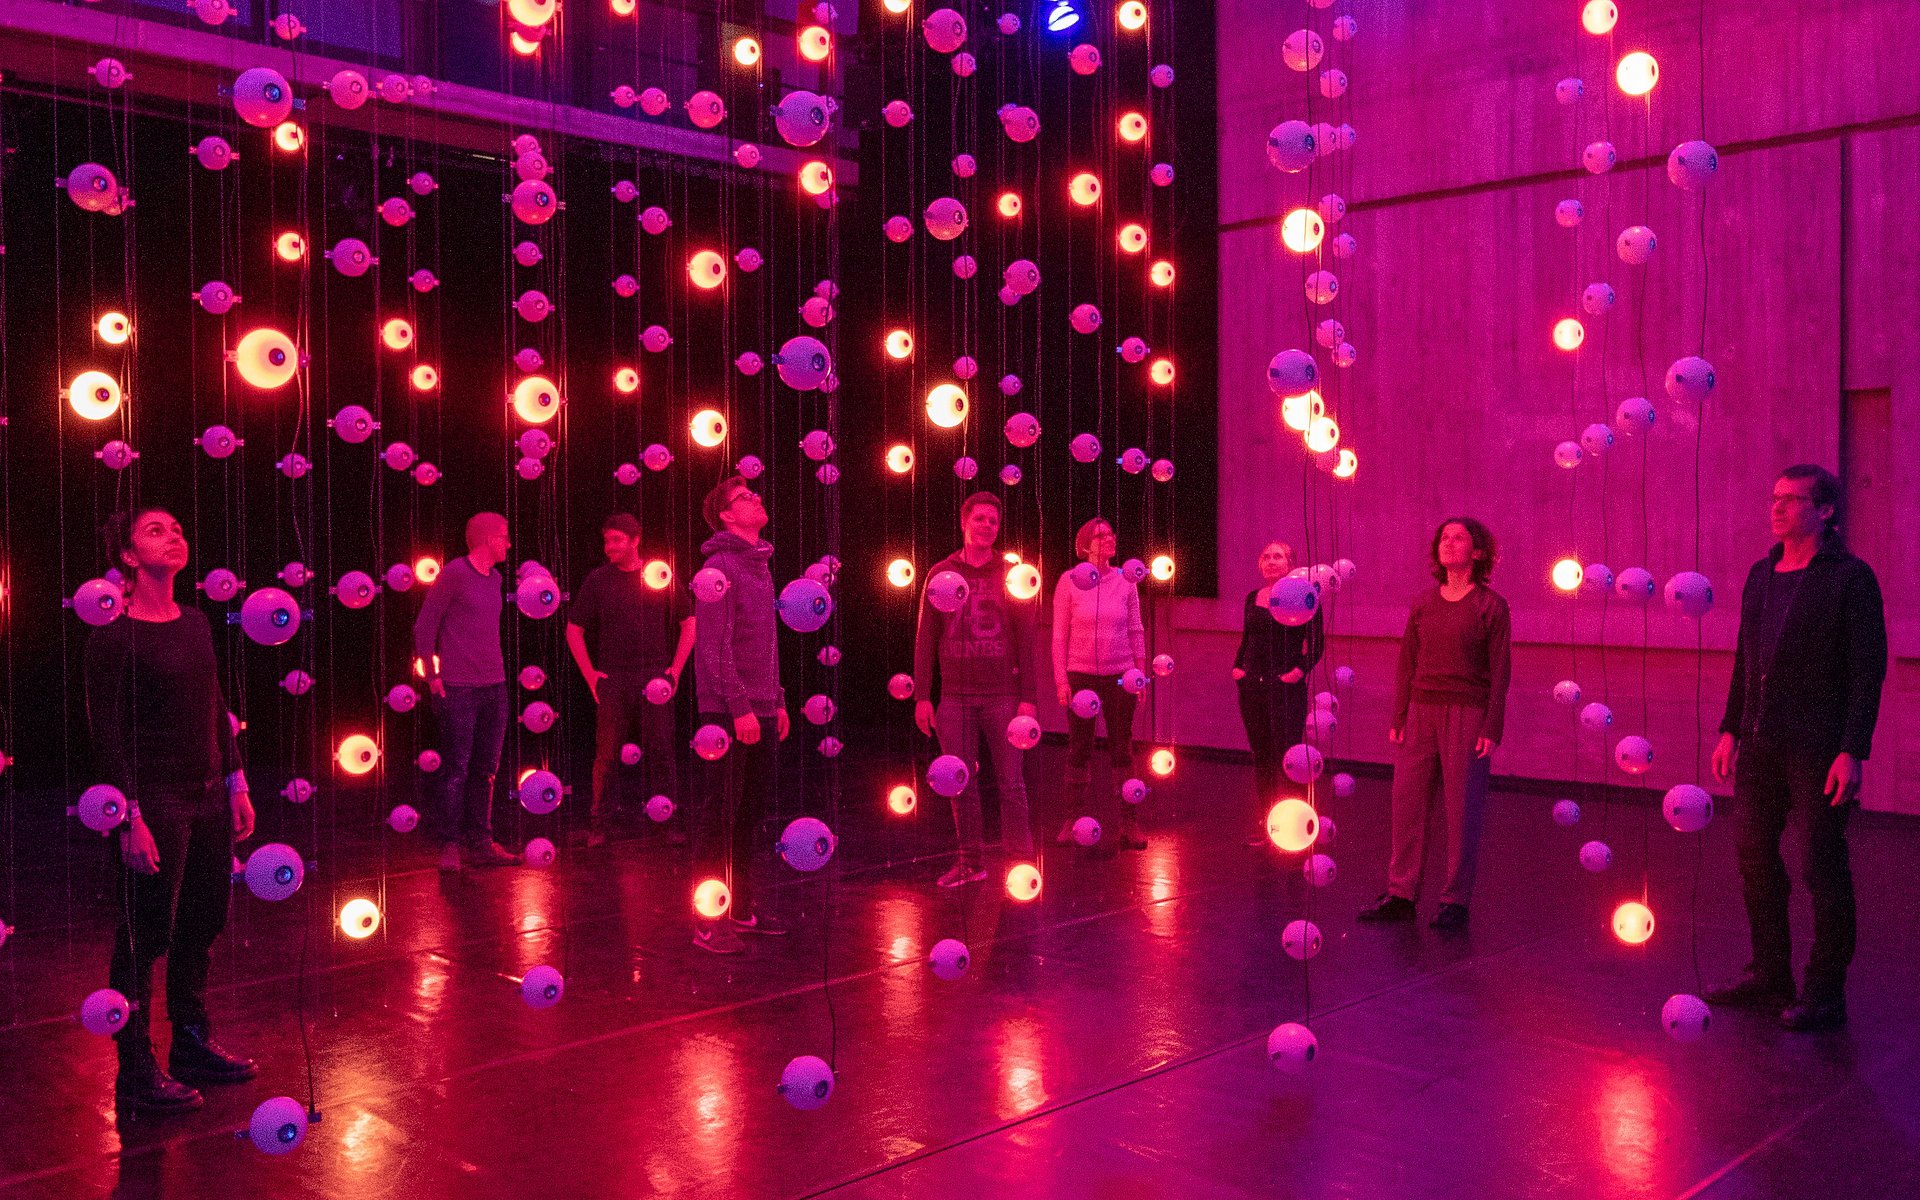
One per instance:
(737, 686)
(984, 652)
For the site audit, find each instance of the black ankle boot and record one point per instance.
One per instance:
(143, 1085)
(195, 1057)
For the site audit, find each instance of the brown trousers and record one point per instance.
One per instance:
(1436, 756)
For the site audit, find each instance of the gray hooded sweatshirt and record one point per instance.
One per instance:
(736, 656)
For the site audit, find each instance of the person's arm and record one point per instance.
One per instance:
(1403, 676)
(1062, 619)
(577, 642)
(1019, 616)
(1864, 618)
(426, 625)
(713, 652)
(683, 648)
(1247, 616)
(927, 631)
(1499, 670)
(1136, 630)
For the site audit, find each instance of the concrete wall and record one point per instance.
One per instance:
(1813, 281)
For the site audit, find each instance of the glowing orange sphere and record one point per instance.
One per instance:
(396, 333)
(1348, 464)
(1133, 238)
(1161, 372)
(709, 428)
(1633, 923)
(1132, 16)
(946, 405)
(536, 400)
(815, 43)
(1323, 434)
(290, 246)
(114, 328)
(623, 8)
(899, 344)
(626, 381)
(357, 754)
(711, 899)
(266, 358)
(359, 918)
(900, 459)
(1568, 333)
(424, 378)
(896, 7)
(1162, 567)
(1023, 581)
(523, 46)
(1301, 230)
(900, 573)
(815, 178)
(1162, 762)
(1132, 127)
(1599, 16)
(532, 13)
(1567, 574)
(1008, 204)
(1299, 411)
(1084, 189)
(94, 395)
(1292, 825)
(657, 574)
(1637, 73)
(289, 137)
(1161, 273)
(901, 799)
(1023, 882)
(426, 568)
(707, 270)
(746, 52)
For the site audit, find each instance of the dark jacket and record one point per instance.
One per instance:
(1269, 649)
(1821, 692)
(736, 655)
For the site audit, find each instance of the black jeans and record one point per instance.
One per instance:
(1773, 787)
(738, 792)
(473, 724)
(1275, 715)
(177, 912)
(625, 713)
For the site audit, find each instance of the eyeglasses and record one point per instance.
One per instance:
(743, 494)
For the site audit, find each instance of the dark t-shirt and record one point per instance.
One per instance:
(1782, 586)
(154, 708)
(629, 626)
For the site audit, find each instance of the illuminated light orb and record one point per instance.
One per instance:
(1161, 273)
(901, 800)
(900, 459)
(1162, 567)
(708, 428)
(1292, 825)
(946, 405)
(114, 328)
(711, 899)
(1009, 204)
(1162, 762)
(900, 573)
(897, 7)
(1023, 882)
(290, 247)
(658, 576)
(816, 178)
(1132, 127)
(359, 918)
(1348, 464)
(426, 568)
(266, 358)
(1637, 73)
(523, 45)
(1084, 189)
(536, 399)
(424, 378)
(626, 381)
(396, 333)
(1323, 434)
(1633, 923)
(1133, 238)
(1301, 230)
(623, 8)
(1567, 575)
(899, 344)
(1132, 16)
(746, 52)
(357, 754)
(1598, 17)
(1161, 372)
(707, 270)
(289, 137)
(815, 43)
(1568, 333)
(532, 13)
(1023, 581)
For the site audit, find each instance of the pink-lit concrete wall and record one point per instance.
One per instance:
(1457, 398)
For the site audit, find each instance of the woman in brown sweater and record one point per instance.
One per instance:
(1449, 711)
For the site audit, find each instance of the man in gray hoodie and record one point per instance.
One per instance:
(737, 684)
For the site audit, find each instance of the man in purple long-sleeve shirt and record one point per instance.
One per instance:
(456, 638)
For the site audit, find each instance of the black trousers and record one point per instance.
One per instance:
(1275, 715)
(177, 912)
(626, 715)
(1773, 787)
(737, 794)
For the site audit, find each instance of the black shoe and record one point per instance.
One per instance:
(1754, 989)
(1065, 836)
(143, 1085)
(1450, 916)
(1388, 907)
(1810, 1015)
(194, 1057)
(761, 924)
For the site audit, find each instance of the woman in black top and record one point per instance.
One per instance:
(163, 736)
(1271, 668)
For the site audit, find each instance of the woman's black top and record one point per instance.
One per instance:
(159, 723)
(1269, 649)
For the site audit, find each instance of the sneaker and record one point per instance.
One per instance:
(195, 1058)
(1754, 989)
(1450, 916)
(718, 937)
(761, 924)
(1388, 907)
(961, 874)
(493, 854)
(450, 858)
(1811, 1015)
(143, 1085)
(1065, 836)
(596, 838)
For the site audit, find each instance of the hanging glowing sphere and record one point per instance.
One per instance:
(711, 899)
(815, 43)
(1084, 189)
(1598, 17)
(1162, 567)
(1633, 923)
(815, 178)
(707, 270)
(900, 573)
(1566, 577)
(746, 52)
(1161, 273)
(1292, 825)
(94, 395)
(266, 358)
(623, 8)
(946, 405)
(426, 568)
(901, 800)
(897, 7)
(536, 399)
(1637, 73)
(1348, 464)
(113, 328)
(359, 918)
(290, 247)
(396, 333)
(289, 137)
(1132, 127)
(1161, 372)
(424, 378)
(709, 428)
(900, 459)
(1301, 230)
(1133, 238)
(1023, 882)
(1132, 16)
(899, 344)
(1161, 762)
(1023, 581)
(1323, 434)
(1008, 204)
(358, 754)
(1568, 333)
(626, 381)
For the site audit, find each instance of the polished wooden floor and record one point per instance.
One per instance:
(1108, 1041)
